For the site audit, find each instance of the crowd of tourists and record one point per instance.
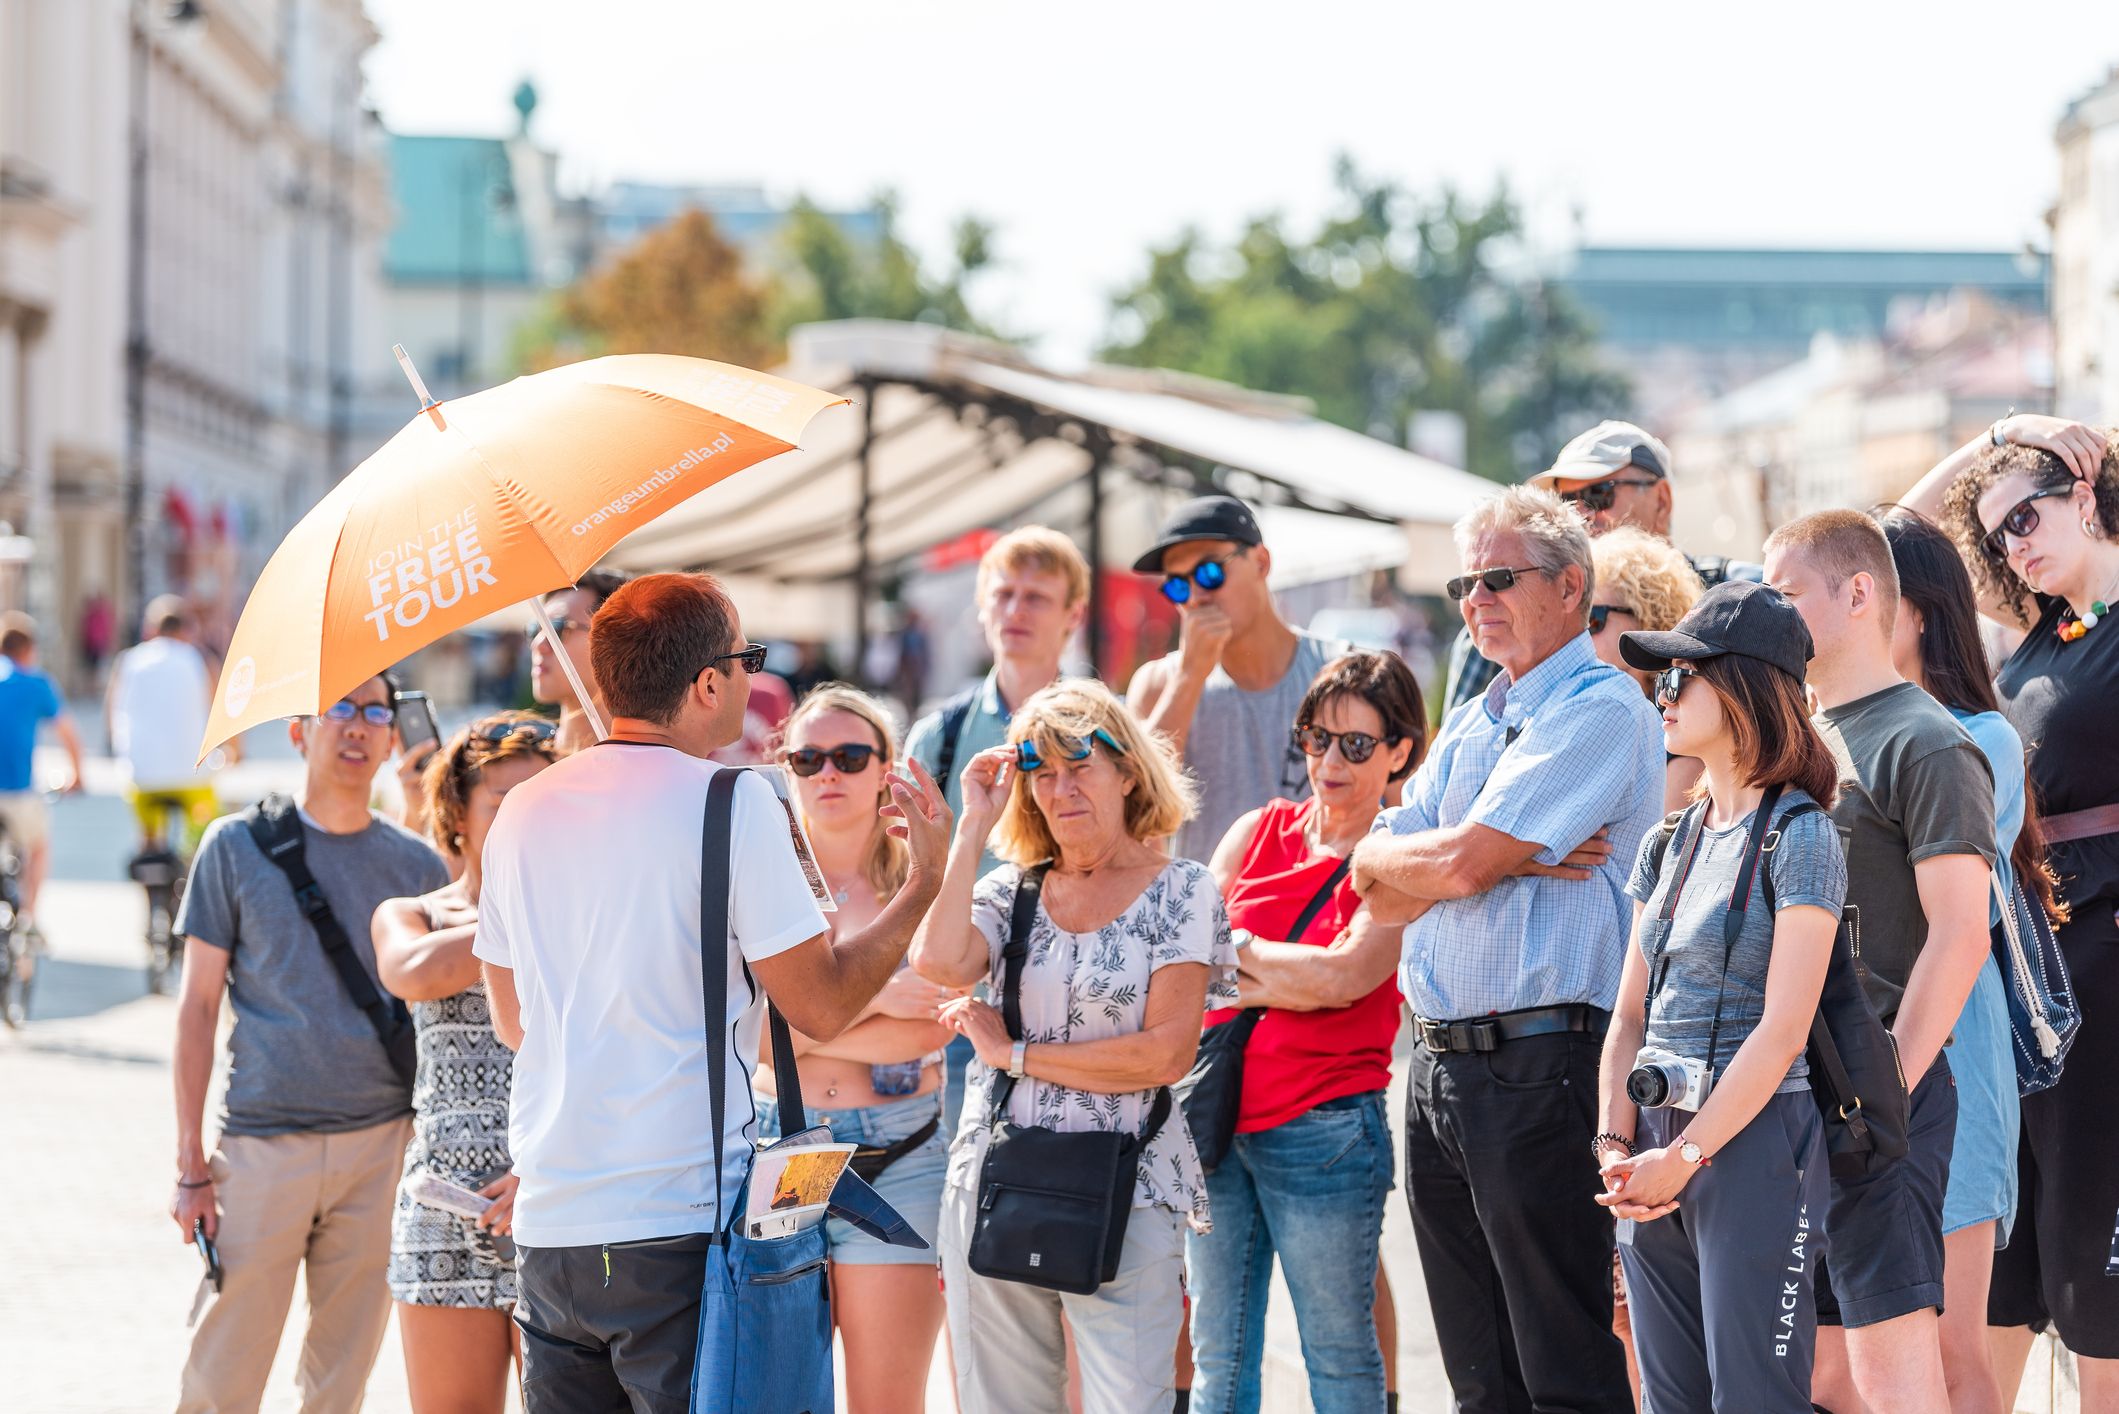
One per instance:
(1722, 917)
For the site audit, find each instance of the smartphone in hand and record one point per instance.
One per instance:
(416, 727)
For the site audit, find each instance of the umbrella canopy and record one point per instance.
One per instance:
(484, 501)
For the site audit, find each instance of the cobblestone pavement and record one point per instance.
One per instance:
(97, 1280)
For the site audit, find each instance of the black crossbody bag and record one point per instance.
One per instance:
(1855, 1077)
(277, 827)
(1053, 1207)
(1212, 1091)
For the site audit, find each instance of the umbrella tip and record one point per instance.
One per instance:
(419, 386)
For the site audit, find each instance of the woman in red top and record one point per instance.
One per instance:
(1310, 1166)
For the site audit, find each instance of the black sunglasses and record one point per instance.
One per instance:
(1602, 495)
(848, 759)
(375, 714)
(1027, 758)
(1670, 683)
(2021, 520)
(751, 656)
(1600, 615)
(1497, 580)
(560, 624)
(502, 731)
(1356, 747)
(1207, 574)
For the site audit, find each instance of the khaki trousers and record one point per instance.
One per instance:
(286, 1201)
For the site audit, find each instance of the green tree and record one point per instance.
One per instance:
(1398, 304)
(821, 271)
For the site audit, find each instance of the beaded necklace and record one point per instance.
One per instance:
(2072, 626)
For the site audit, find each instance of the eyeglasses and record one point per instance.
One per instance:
(1074, 748)
(1497, 580)
(849, 759)
(1600, 615)
(1670, 683)
(502, 731)
(1356, 747)
(1207, 574)
(375, 714)
(2021, 520)
(751, 656)
(560, 625)
(1602, 495)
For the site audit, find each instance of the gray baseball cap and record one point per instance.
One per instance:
(1606, 450)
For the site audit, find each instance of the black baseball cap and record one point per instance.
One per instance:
(1204, 518)
(1737, 616)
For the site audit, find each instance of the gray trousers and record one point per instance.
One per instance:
(1011, 1353)
(1722, 1290)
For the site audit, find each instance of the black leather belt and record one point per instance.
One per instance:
(1486, 1033)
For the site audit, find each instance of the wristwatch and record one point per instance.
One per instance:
(1692, 1154)
(1015, 1059)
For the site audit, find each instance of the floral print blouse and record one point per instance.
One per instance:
(1091, 986)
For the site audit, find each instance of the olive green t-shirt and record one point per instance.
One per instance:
(1912, 786)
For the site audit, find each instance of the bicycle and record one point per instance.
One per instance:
(20, 943)
(170, 818)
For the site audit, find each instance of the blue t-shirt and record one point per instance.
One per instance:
(27, 699)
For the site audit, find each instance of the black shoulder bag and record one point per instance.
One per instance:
(1053, 1207)
(1212, 1092)
(955, 712)
(277, 827)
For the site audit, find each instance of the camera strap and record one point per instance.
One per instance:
(1756, 846)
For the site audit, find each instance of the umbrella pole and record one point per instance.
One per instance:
(566, 665)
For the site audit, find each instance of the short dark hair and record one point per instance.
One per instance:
(653, 637)
(1776, 743)
(15, 642)
(1384, 682)
(600, 585)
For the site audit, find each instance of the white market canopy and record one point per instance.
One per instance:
(954, 434)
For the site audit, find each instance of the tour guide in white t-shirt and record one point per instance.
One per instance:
(589, 931)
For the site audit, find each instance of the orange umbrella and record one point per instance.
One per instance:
(484, 501)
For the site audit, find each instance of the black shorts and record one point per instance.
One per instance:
(611, 1330)
(1883, 1236)
(2052, 1273)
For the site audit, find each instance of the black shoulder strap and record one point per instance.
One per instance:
(955, 712)
(1017, 950)
(1739, 904)
(1315, 906)
(276, 825)
(715, 839)
(1808, 807)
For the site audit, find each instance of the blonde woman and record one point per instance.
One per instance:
(1125, 950)
(454, 1285)
(1644, 585)
(878, 1084)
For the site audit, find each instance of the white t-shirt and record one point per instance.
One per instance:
(158, 713)
(590, 893)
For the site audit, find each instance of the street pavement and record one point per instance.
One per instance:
(99, 1280)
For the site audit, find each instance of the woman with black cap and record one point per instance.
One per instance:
(1704, 1061)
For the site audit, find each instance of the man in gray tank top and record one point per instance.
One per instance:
(1227, 696)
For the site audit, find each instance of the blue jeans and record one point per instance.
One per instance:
(1310, 1191)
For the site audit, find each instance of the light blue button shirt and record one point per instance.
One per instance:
(1573, 748)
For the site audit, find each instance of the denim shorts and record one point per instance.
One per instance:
(912, 1185)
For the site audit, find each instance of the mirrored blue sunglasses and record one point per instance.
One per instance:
(1027, 758)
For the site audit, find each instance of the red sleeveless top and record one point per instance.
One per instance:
(1297, 1060)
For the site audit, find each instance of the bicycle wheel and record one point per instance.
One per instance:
(21, 977)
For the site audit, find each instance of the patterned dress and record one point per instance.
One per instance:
(1092, 986)
(460, 1133)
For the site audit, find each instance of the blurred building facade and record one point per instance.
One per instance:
(191, 204)
(2086, 256)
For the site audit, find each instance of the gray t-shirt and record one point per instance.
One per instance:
(1808, 868)
(1241, 748)
(302, 1058)
(1912, 786)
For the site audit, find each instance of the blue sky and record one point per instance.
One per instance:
(1089, 131)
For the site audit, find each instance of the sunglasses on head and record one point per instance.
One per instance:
(1207, 574)
(503, 731)
(2021, 520)
(1497, 580)
(1670, 683)
(751, 656)
(848, 759)
(1073, 748)
(375, 714)
(560, 624)
(1602, 495)
(1356, 747)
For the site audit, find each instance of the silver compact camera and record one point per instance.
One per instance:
(1665, 1080)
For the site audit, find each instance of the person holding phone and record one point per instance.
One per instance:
(418, 737)
(1704, 1064)
(878, 1084)
(453, 1284)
